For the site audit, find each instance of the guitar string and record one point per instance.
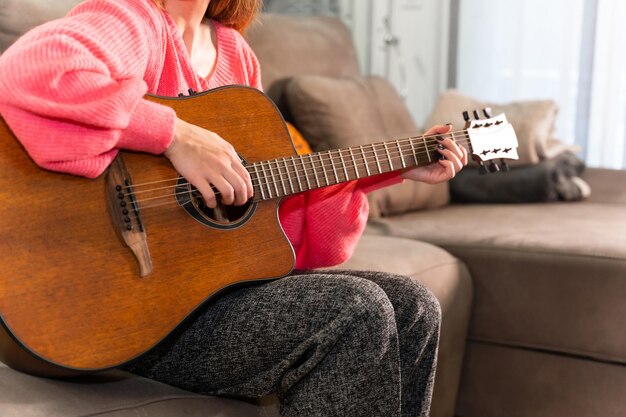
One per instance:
(310, 169)
(280, 182)
(361, 163)
(286, 166)
(451, 135)
(283, 185)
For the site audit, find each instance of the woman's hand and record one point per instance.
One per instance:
(444, 169)
(204, 158)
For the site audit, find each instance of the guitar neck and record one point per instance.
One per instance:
(287, 176)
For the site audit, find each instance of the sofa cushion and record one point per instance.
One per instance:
(534, 121)
(112, 394)
(353, 111)
(546, 276)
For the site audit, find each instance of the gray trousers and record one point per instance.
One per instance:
(331, 343)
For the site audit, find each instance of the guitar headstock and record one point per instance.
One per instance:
(492, 140)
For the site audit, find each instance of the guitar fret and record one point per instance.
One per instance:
(380, 171)
(417, 162)
(388, 156)
(367, 165)
(356, 168)
(269, 166)
(426, 147)
(288, 175)
(343, 164)
(332, 163)
(295, 169)
(323, 168)
(256, 171)
(269, 188)
(317, 181)
(306, 174)
(400, 153)
(282, 182)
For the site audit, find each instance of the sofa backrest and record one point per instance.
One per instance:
(19, 16)
(289, 46)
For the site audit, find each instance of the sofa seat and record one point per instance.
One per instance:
(112, 394)
(546, 276)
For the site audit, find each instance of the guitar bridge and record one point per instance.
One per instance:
(125, 214)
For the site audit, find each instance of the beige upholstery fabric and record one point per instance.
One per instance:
(547, 276)
(336, 113)
(112, 394)
(448, 279)
(607, 185)
(289, 46)
(499, 381)
(17, 16)
(554, 147)
(533, 121)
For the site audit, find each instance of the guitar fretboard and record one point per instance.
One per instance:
(286, 176)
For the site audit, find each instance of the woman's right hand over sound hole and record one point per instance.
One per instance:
(204, 158)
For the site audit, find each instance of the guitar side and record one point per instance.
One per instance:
(71, 295)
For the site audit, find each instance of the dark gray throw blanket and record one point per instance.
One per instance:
(555, 179)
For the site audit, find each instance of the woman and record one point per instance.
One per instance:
(336, 344)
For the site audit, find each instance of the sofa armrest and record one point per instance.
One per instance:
(607, 185)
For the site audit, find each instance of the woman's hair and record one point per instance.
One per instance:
(237, 14)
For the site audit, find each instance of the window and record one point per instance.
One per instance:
(565, 50)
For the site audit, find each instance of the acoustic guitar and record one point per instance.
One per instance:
(97, 272)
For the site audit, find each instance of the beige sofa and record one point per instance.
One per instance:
(547, 282)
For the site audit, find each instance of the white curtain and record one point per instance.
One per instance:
(532, 49)
(607, 126)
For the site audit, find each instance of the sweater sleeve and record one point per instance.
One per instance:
(72, 89)
(324, 225)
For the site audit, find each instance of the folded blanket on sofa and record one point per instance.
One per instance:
(555, 179)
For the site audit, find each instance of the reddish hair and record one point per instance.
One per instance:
(237, 14)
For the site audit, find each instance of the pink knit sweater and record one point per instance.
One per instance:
(72, 92)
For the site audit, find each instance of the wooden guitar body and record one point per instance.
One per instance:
(72, 298)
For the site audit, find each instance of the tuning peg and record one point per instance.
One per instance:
(466, 116)
(476, 115)
(503, 165)
(482, 169)
(487, 112)
(493, 167)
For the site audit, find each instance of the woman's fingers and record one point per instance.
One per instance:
(452, 152)
(248, 190)
(239, 191)
(205, 189)
(205, 159)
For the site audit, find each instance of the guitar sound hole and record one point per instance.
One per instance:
(221, 217)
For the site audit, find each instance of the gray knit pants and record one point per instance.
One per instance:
(332, 343)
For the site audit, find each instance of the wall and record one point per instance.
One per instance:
(406, 42)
